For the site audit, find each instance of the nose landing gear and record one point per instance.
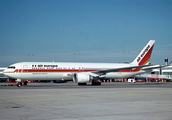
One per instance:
(19, 84)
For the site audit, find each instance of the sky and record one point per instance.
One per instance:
(106, 31)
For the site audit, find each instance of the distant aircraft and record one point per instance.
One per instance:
(81, 73)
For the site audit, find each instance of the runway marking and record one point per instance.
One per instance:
(67, 94)
(87, 97)
(86, 93)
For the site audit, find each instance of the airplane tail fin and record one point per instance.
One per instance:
(144, 56)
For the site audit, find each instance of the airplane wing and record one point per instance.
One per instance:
(142, 67)
(102, 72)
(154, 67)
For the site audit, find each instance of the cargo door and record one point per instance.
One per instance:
(25, 68)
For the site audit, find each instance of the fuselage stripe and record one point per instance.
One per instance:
(61, 71)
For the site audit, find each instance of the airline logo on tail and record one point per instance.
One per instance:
(141, 56)
(144, 56)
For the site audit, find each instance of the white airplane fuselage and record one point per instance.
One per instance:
(63, 71)
(80, 73)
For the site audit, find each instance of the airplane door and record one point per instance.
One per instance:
(25, 68)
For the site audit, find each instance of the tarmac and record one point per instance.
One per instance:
(68, 101)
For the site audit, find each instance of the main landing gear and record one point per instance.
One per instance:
(96, 83)
(93, 83)
(82, 84)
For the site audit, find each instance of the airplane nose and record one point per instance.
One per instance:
(4, 72)
(7, 71)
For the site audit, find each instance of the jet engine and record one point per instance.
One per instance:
(81, 78)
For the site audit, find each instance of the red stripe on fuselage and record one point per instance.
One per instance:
(54, 70)
(64, 70)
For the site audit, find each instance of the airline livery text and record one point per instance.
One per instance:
(45, 66)
(139, 58)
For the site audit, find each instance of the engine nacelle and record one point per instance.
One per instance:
(81, 78)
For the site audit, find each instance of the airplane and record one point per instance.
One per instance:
(81, 73)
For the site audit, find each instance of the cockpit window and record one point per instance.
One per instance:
(11, 67)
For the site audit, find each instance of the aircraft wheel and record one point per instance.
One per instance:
(96, 83)
(19, 84)
(82, 84)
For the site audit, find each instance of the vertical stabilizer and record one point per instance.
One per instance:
(144, 56)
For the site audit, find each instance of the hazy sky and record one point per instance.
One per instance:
(84, 30)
